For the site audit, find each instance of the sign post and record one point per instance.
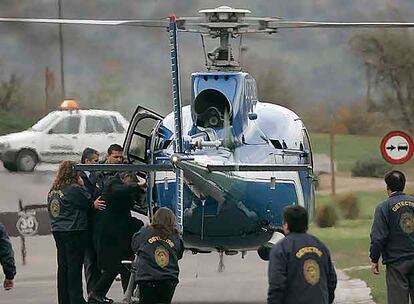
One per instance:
(397, 147)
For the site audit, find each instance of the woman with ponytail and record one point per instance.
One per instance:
(68, 205)
(159, 247)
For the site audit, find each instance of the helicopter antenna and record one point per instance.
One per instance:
(240, 50)
(204, 49)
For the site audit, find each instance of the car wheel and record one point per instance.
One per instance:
(26, 160)
(10, 166)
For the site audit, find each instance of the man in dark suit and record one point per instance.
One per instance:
(113, 232)
(94, 185)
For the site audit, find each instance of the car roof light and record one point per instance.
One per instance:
(69, 104)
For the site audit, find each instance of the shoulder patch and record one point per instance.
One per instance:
(162, 257)
(55, 208)
(311, 272)
(407, 222)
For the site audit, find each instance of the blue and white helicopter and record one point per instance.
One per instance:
(227, 164)
(238, 162)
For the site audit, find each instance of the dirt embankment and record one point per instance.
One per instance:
(344, 182)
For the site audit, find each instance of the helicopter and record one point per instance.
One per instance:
(227, 164)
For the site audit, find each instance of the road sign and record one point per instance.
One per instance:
(397, 147)
(27, 224)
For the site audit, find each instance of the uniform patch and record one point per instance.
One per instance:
(311, 272)
(162, 257)
(55, 208)
(407, 222)
(301, 252)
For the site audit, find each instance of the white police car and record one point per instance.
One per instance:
(62, 135)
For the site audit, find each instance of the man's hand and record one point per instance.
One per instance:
(375, 268)
(142, 183)
(99, 204)
(8, 284)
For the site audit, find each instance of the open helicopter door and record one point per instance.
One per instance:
(140, 142)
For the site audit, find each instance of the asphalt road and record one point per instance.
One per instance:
(242, 281)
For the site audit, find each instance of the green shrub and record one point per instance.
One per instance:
(372, 167)
(326, 216)
(12, 122)
(348, 205)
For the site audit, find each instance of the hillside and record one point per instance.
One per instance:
(318, 63)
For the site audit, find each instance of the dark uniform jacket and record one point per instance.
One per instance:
(392, 233)
(6, 254)
(301, 271)
(68, 208)
(157, 258)
(112, 231)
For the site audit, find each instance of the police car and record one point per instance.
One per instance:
(62, 135)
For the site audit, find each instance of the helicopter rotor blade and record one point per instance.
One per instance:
(317, 24)
(160, 23)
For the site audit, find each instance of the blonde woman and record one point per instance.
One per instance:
(159, 247)
(68, 204)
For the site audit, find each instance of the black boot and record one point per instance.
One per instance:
(95, 299)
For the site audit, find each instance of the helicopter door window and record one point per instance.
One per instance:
(137, 148)
(98, 124)
(68, 125)
(118, 127)
(145, 126)
(141, 139)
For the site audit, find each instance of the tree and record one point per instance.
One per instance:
(10, 93)
(272, 85)
(388, 56)
(108, 92)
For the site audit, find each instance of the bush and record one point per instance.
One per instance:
(349, 206)
(11, 122)
(373, 167)
(326, 216)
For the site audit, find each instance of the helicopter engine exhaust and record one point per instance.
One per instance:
(210, 107)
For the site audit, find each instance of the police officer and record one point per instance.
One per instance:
(68, 204)
(159, 247)
(300, 266)
(93, 182)
(392, 237)
(115, 155)
(7, 259)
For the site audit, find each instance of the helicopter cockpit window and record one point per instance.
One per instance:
(306, 142)
(210, 106)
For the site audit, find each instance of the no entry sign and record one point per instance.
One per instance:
(397, 147)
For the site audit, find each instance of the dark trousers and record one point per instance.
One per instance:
(107, 278)
(92, 273)
(400, 282)
(156, 292)
(70, 254)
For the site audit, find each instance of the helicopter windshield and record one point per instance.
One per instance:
(44, 123)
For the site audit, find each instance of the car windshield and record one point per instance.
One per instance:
(42, 124)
